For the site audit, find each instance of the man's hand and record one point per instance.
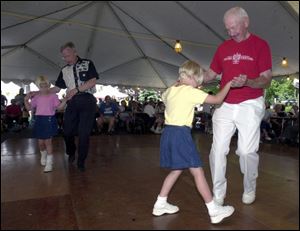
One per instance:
(239, 81)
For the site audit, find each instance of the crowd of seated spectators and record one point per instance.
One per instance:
(135, 117)
(14, 117)
(280, 126)
(129, 116)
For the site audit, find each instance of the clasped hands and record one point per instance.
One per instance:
(239, 81)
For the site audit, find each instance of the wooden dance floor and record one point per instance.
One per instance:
(121, 183)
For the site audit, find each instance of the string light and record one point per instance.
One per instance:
(178, 47)
(284, 62)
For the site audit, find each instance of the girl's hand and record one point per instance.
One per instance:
(30, 95)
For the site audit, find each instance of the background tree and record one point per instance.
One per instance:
(148, 95)
(214, 89)
(280, 90)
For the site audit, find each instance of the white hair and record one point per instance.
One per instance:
(236, 11)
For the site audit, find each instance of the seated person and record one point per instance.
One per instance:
(150, 111)
(157, 127)
(277, 119)
(265, 125)
(136, 107)
(13, 113)
(108, 112)
(25, 118)
(290, 134)
(125, 115)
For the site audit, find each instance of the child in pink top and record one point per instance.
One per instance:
(45, 126)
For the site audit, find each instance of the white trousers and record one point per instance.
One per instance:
(246, 117)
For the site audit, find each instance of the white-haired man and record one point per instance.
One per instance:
(246, 60)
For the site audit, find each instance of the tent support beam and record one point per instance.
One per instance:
(160, 61)
(46, 60)
(201, 22)
(41, 16)
(58, 24)
(119, 65)
(155, 35)
(12, 46)
(289, 8)
(151, 64)
(126, 30)
(49, 29)
(136, 44)
(92, 37)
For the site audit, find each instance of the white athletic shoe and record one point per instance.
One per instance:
(248, 198)
(219, 213)
(159, 210)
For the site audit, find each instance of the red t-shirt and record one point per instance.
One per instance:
(249, 57)
(13, 110)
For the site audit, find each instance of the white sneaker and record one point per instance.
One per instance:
(49, 164)
(159, 210)
(219, 201)
(43, 157)
(152, 129)
(158, 131)
(248, 198)
(219, 213)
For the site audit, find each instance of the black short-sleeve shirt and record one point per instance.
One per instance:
(72, 76)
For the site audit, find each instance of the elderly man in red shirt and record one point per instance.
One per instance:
(246, 60)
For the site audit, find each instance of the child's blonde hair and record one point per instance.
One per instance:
(191, 69)
(41, 79)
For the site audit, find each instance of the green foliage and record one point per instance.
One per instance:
(281, 90)
(288, 108)
(148, 94)
(213, 89)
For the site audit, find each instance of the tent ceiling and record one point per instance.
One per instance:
(131, 43)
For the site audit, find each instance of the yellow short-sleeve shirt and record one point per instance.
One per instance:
(180, 104)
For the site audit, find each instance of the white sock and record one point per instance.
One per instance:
(210, 205)
(50, 158)
(161, 200)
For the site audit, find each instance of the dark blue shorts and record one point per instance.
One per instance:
(177, 148)
(45, 127)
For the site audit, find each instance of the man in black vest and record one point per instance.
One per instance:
(79, 77)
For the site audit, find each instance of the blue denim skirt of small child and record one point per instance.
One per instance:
(177, 148)
(45, 127)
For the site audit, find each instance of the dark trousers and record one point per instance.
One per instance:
(78, 120)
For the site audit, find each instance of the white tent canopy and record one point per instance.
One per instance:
(109, 90)
(131, 43)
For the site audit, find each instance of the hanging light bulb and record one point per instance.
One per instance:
(178, 47)
(284, 62)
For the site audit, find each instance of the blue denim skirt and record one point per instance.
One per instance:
(45, 127)
(177, 148)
